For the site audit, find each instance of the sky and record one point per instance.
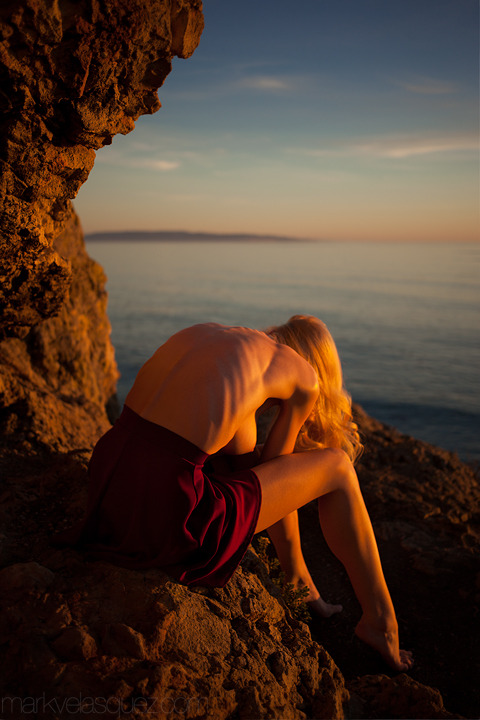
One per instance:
(322, 119)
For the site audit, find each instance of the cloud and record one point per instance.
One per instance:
(265, 82)
(429, 86)
(121, 160)
(162, 165)
(398, 147)
(427, 147)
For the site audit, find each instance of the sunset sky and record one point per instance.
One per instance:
(328, 119)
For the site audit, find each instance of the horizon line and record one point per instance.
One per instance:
(199, 236)
(191, 235)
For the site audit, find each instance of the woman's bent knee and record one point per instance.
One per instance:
(331, 470)
(342, 470)
(291, 481)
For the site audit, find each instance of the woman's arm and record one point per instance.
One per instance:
(295, 383)
(283, 434)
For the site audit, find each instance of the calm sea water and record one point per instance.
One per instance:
(405, 317)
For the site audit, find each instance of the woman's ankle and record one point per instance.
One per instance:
(384, 620)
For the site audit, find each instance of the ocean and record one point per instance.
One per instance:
(405, 317)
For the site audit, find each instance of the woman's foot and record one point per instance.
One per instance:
(322, 608)
(384, 639)
(314, 600)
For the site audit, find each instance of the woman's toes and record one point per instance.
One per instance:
(322, 608)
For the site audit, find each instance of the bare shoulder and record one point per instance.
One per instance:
(289, 373)
(288, 359)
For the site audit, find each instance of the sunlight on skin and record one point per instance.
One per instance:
(385, 642)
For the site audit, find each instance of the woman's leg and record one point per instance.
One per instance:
(289, 482)
(285, 535)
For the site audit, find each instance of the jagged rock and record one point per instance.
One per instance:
(75, 643)
(72, 76)
(138, 639)
(169, 644)
(400, 697)
(120, 640)
(25, 577)
(58, 383)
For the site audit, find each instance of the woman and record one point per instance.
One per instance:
(154, 503)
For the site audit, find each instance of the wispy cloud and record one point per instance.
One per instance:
(124, 160)
(265, 82)
(428, 86)
(397, 147)
(425, 146)
(162, 165)
(166, 153)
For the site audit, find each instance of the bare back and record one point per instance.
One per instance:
(207, 381)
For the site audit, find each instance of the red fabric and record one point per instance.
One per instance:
(152, 504)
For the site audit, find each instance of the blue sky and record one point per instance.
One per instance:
(329, 119)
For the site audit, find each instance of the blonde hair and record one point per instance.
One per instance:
(330, 424)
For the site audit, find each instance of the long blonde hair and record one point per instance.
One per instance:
(330, 424)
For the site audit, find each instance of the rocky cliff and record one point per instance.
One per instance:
(72, 75)
(90, 638)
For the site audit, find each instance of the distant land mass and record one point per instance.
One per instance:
(184, 236)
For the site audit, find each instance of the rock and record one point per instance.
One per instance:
(75, 643)
(399, 697)
(57, 383)
(73, 75)
(23, 578)
(57, 618)
(162, 647)
(121, 640)
(161, 641)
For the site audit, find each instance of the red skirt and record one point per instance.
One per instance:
(151, 503)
